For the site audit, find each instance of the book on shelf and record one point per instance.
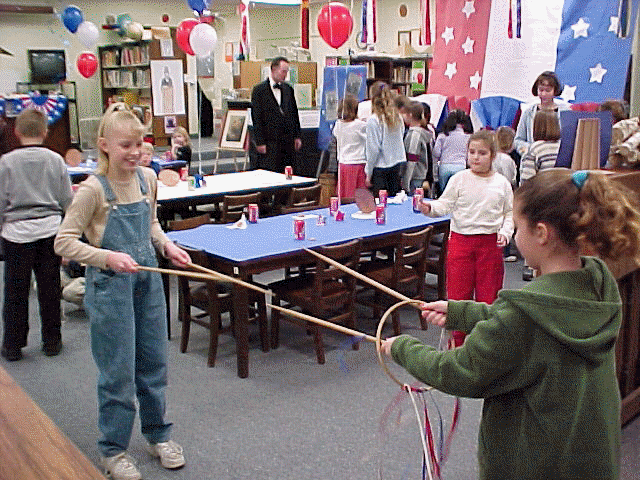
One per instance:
(135, 55)
(110, 58)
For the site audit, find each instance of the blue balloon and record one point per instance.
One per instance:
(199, 5)
(72, 18)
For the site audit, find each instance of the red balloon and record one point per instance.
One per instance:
(335, 24)
(182, 34)
(87, 64)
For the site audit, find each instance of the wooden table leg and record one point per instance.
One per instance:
(241, 311)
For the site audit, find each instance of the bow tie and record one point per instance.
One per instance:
(277, 85)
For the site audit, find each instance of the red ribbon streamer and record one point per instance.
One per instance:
(304, 24)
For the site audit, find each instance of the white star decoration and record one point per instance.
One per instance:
(568, 93)
(615, 23)
(474, 81)
(597, 73)
(469, 8)
(467, 46)
(447, 35)
(451, 70)
(580, 28)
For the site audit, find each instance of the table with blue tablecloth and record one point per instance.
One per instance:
(269, 245)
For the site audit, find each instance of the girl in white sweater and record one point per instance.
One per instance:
(480, 202)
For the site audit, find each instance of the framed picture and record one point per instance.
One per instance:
(234, 129)
(168, 87)
(404, 36)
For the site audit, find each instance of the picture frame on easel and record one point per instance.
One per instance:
(234, 129)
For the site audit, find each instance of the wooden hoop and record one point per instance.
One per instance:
(387, 314)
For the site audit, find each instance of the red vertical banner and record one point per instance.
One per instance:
(425, 23)
(304, 24)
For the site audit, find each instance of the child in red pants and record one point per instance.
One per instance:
(480, 202)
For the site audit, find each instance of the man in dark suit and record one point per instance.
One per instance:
(276, 125)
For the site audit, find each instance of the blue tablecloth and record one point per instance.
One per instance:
(273, 236)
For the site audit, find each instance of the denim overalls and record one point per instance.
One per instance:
(128, 330)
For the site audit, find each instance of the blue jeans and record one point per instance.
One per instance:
(446, 171)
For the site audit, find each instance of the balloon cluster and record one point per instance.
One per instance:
(194, 36)
(87, 34)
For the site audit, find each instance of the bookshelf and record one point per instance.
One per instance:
(407, 75)
(125, 75)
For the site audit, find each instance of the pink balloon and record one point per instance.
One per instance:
(183, 32)
(87, 64)
(335, 24)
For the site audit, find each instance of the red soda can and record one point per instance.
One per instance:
(417, 200)
(420, 191)
(382, 197)
(334, 204)
(253, 213)
(288, 171)
(298, 228)
(381, 216)
(184, 173)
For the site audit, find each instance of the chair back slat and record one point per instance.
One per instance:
(234, 205)
(189, 223)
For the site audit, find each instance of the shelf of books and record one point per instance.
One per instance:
(406, 75)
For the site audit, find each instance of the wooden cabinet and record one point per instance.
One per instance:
(126, 75)
(407, 75)
(248, 74)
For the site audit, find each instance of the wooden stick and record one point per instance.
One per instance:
(324, 323)
(209, 275)
(215, 276)
(364, 278)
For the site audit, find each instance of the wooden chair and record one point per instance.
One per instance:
(185, 224)
(327, 293)
(302, 199)
(234, 205)
(405, 275)
(189, 223)
(437, 256)
(210, 300)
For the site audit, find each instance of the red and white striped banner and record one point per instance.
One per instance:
(425, 23)
(244, 28)
(369, 34)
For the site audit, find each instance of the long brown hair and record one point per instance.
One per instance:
(383, 106)
(599, 214)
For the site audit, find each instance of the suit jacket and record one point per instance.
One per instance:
(273, 122)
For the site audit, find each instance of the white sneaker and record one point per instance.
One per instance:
(170, 453)
(120, 467)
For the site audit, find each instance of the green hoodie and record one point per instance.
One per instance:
(543, 359)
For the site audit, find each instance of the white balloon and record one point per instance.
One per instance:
(203, 39)
(88, 34)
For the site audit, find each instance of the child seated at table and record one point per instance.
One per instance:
(180, 146)
(146, 157)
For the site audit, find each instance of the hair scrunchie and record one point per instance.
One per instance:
(579, 177)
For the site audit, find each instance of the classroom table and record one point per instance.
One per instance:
(269, 245)
(32, 447)
(237, 183)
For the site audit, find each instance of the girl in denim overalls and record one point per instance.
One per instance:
(115, 209)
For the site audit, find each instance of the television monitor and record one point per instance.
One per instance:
(47, 66)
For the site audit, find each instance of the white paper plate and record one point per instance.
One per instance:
(364, 216)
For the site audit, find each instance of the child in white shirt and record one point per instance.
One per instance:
(351, 137)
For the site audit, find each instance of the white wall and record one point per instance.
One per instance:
(269, 25)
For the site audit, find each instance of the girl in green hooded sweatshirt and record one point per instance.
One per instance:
(543, 357)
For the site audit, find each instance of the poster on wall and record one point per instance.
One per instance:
(167, 87)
